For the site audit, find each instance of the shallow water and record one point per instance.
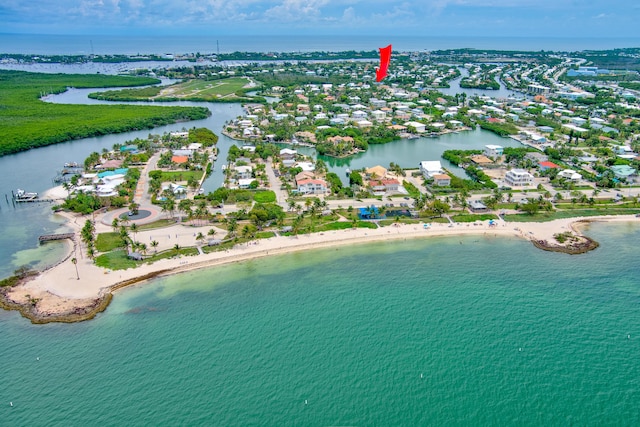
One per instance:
(442, 331)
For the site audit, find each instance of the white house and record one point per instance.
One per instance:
(493, 151)
(518, 178)
(306, 166)
(419, 127)
(570, 175)
(243, 172)
(245, 183)
(378, 115)
(430, 168)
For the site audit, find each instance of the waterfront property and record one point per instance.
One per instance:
(431, 168)
(518, 178)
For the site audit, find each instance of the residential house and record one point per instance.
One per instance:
(244, 172)
(570, 175)
(441, 180)
(179, 160)
(547, 165)
(378, 115)
(376, 172)
(477, 206)
(182, 152)
(430, 168)
(518, 178)
(312, 186)
(390, 185)
(419, 127)
(493, 151)
(625, 172)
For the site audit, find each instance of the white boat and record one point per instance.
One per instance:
(23, 195)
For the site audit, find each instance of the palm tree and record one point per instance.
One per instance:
(200, 237)
(74, 260)
(211, 232)
(143, 248)
(154, 245)
(176, 247)
(124, 221)
(124, 236)
(246, 231)
(232, 226)
(134, 230)
(115, 223)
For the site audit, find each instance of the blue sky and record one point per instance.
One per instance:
(527, 18)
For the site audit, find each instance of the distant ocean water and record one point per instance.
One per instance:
(446, 331)
(100, 44)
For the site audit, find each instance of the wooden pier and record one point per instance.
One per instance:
(35, 200)
(50, 237)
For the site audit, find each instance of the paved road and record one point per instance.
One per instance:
(142, 196)
(281, 195)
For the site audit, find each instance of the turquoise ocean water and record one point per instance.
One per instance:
(445, 331)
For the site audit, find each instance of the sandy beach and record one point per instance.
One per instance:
(57, 292)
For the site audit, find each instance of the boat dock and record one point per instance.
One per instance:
(35, 200)
(51, 237)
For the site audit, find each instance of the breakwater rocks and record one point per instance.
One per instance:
(34, 311)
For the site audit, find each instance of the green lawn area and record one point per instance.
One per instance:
(190, 251)
(265, 234)
(116, 260)
(27, 122)
(342, 225)
(161, 223)
(267, 196)
(472, 218)
(106, 242)
(207, 88)
(181, 176)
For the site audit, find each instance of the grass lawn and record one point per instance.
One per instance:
(265, 234)
(116, 260)
(342, 225)
(472, 218)
(267, 196)
(106, 242)
(161, 223)
(181, 176)
(190, 251)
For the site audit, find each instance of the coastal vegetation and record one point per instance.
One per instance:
(502, 129)
(27, 122)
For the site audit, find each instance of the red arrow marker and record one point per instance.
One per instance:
(385, 58)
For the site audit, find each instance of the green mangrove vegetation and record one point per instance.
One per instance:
(27, 122)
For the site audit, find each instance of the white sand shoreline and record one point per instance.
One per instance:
(58, 291)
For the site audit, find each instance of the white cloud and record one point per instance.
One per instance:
(296, 10)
